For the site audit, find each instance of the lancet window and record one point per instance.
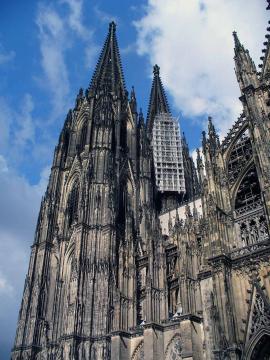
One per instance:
(249, 211)
(83, 135)
(73, 201)
(240, 154)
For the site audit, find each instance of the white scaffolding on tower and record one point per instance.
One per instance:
(167, 150)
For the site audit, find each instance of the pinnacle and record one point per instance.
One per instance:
(156, 69)
(236, 40)
(112, 26)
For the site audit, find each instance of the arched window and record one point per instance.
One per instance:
(240, 154)
(73, 201)
(66, 144)
(82, 139)
(249, 211)
(249, 192)
(174, 349)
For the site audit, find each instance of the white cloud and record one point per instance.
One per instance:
(43, 182)
(104, 16)
(56, 34)
(6, 56)
(192, 43)
(53, 43)
(5, 287)
(26, 130)
(75, 18)
(3, 164)
(6, 115)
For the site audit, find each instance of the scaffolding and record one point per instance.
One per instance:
(167, 150)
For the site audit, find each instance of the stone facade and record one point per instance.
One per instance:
(114, 275)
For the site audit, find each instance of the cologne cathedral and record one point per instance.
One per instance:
(139, 253)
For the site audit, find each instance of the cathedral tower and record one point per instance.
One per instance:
(110, 275)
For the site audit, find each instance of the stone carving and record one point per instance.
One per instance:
(174, 349)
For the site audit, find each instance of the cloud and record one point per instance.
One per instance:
(6, 56)
(53, 43)
(3, 164)
(57, 34)
(20, 202)
(18, 131)
(26, 127)
(75, 18)
(6, 115)
(192, 43)
(5, 287)
(104, 16)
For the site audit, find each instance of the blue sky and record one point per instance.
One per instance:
(48, 50)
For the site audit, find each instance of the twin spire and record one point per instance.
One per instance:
(158, 101)
(109, 71)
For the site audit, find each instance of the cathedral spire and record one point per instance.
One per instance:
(108, 72)
(265, 65)
(158, 102)
(245, 68)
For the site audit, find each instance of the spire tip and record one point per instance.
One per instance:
(112, 26)
(156, 69)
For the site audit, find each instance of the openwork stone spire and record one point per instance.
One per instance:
(108, 71)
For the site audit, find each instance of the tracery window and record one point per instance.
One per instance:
(249, 192)
(83, 135)
(73, 201)
(174, 349)
(241, 153)
(249, 212)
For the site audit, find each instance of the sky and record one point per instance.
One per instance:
(48, 50)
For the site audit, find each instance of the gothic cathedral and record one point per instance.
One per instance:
(139, 253)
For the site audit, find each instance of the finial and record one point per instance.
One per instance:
(199, 159)
(132, 93)
(204, 141)
(112, 26)
(236, 40)
(184, 137)
(211, 128)
(156, 69)
(141, 119)
(80, 93)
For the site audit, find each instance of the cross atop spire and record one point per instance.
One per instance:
(108, 71)
(158, 102)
